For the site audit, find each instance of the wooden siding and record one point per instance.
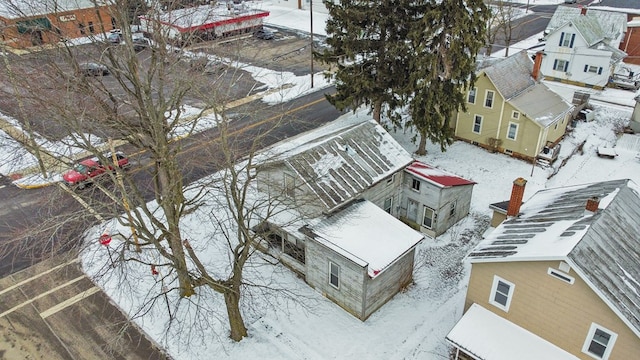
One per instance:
(436, 198)
(383, 190)
(350, 295)
(558, 312)
(383, 287)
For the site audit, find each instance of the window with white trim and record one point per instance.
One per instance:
(560, 65)
(428, 218)
(515, 115)
(388, 204)
(567, 39)
(599, 342)
(391, 179)
(593, 69)
(334, 275)
(415, 184)
(477, 124)
(488, 99)
(501, 293)
(471, 97)
(513, 131)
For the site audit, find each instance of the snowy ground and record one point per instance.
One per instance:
(414, 323)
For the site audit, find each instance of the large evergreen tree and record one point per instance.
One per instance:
(446, 37)
(395, 53)
(366, 40)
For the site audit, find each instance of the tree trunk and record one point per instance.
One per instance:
(236, 323)
(422, 145)
(377, 109)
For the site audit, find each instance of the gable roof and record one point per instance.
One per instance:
(367, 235)
(340, 166)
(512, 75)
(436, 176)
(541, 105)
(603, 247)
(612, 24)
(512, 78)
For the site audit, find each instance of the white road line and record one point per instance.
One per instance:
(41, 296)
(37, 276)
(45, 314)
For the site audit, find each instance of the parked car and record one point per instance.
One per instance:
(93, 69)
(140, 43)
(264, 34)
(570, 1)
(115, 36)
(83, 173)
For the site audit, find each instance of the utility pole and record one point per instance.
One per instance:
(311, 43)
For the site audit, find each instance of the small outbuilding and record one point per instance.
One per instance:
(433, 199)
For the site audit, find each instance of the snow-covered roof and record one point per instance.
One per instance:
(603, 246)
(26, 8)
(206, 16)
(611, 24)
(512, 75)
(340, 166)
(436, 176)
(485, 335)
(367, 235)
(512, 78)
(541, 104)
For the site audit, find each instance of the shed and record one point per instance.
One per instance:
(434, 199)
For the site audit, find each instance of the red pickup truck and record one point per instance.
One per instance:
(83, 172)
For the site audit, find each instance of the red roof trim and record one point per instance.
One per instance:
(437, 176)
(211, 25)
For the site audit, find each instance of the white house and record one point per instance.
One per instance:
(583, 50)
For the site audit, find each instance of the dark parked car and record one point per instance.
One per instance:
(264, 34)
(140, 43)
(93, 69)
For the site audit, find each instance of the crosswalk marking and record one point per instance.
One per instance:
(16, 285)
(45, 314)
(41, 295)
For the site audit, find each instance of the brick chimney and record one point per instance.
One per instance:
(536, 66)
(592, 204)
(583, 10)
(517, 193)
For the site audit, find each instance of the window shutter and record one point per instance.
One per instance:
(561, 38)
(600, 70)
(555, 64)
(573, 37)
(566, 66)
(586, 67)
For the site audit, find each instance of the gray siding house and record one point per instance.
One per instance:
(341, 182)
(433, 199)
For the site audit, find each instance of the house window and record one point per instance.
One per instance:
(427, 219)
(566, 40)
(452, 210)
(91, 28)
(412, 210)
(289, 186)
(515, 115)
(471, 97)
(334, 275)
(388, 203)
(501, 293)
(488, 100)
(513, 131)
(477, 124)
(593, 69)
(560, 65)
(81, 28)
(599, 342)
(391, 179)
(415, 184)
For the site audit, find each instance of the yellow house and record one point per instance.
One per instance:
(510, 112)
(560, 279)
